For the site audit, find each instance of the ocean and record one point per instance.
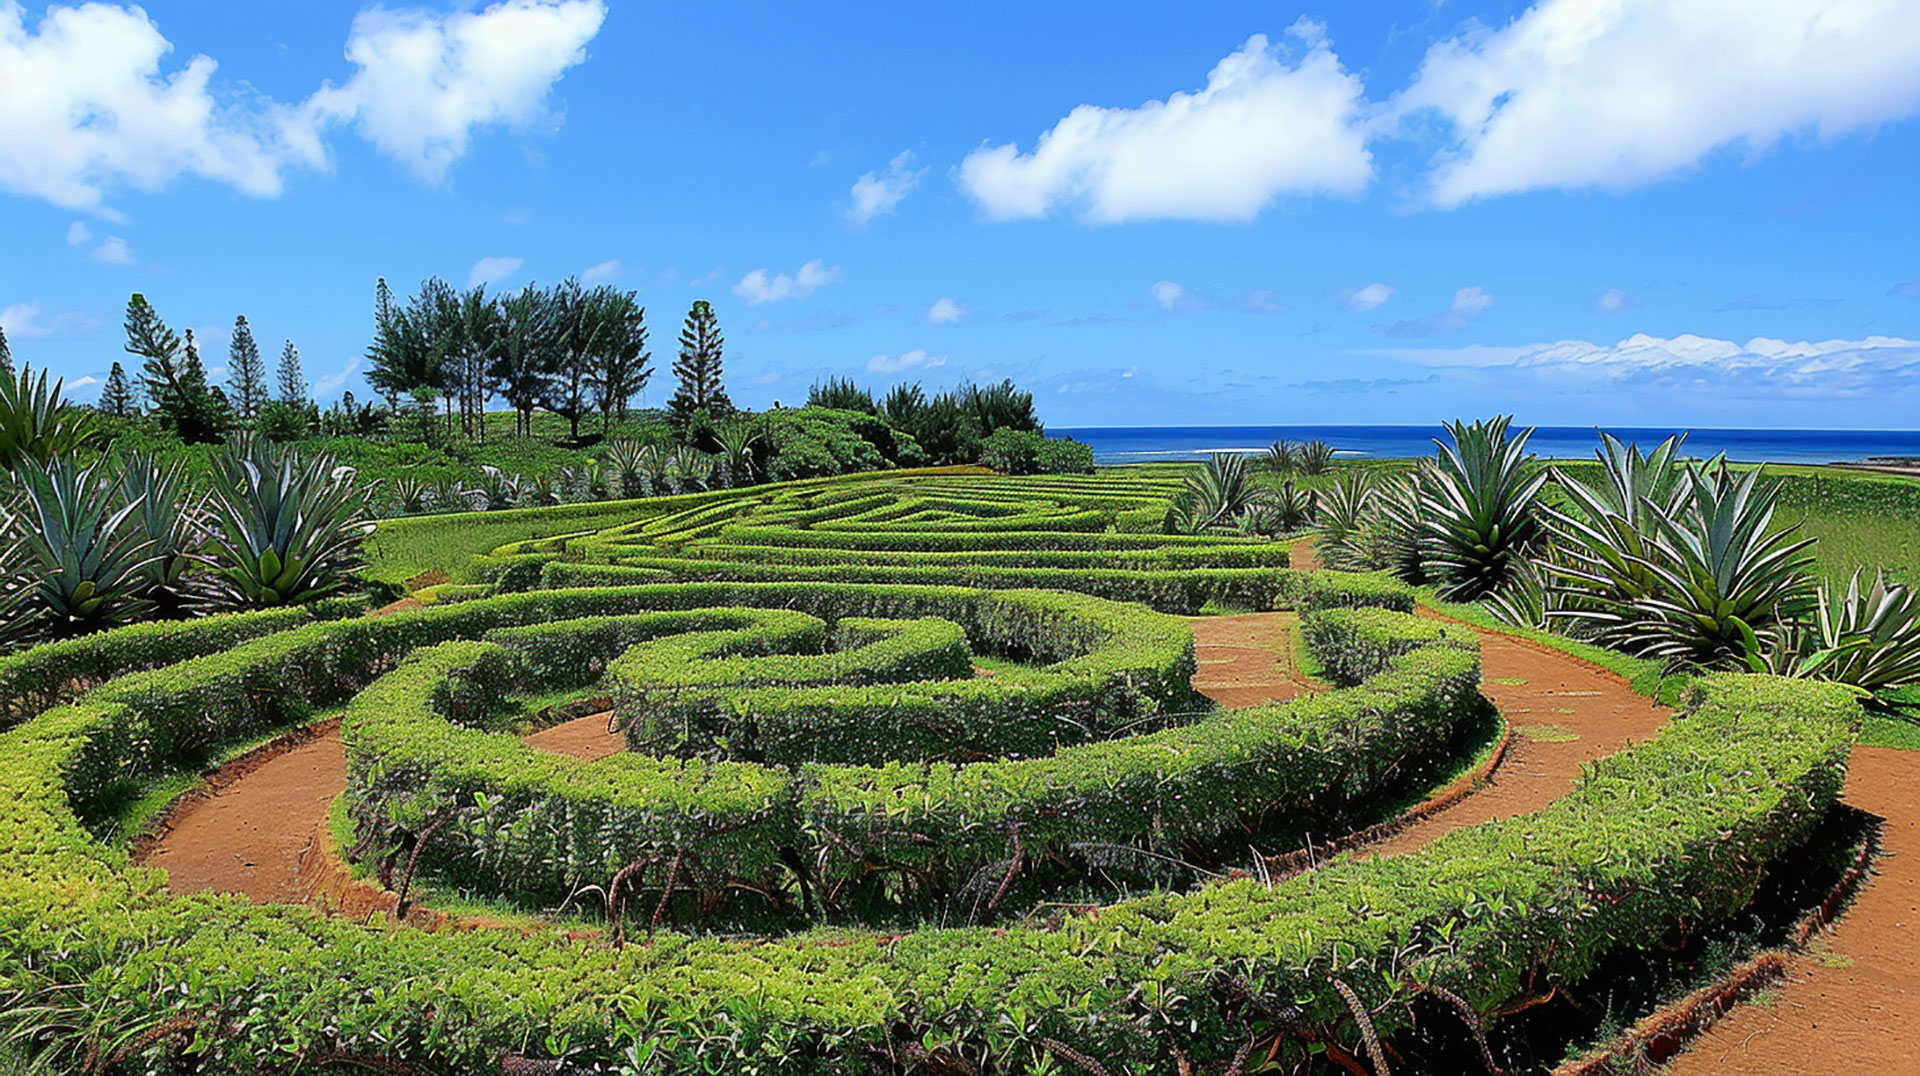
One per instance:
(1148, 444)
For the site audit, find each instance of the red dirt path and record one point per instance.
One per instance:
(1851, 1004)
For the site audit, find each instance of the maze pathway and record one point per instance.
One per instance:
(1246, 660)
(1852, 1003)
(1563, 712)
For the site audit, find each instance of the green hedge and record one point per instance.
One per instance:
(37, 679)
(1675, 829)
(1181, 591)
(1164, 795)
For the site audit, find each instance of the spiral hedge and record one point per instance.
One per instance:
(809, 747)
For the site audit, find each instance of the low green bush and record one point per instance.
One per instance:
(1676, 830)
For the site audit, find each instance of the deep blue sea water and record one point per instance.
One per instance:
(1147, 444)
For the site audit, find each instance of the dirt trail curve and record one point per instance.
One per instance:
(1851, 1003)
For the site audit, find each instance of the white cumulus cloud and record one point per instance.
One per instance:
(945, 311)
(78, 234)
(426, 80)
(24, 321)
(1168, 293)
(88, 105)
(85, 107)
(876, 193)
(1612, 301)
(1262, 127)
(1614, 95)
(906, 360)
(492, 270)
(114, 251)
(1368, 297)
(760, 286)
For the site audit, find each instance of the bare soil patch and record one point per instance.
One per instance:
(1583, 712)
(583, 737)
(1851, 1004)
(1246, 660)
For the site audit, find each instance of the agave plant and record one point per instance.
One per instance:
(78, 548)
(1392, 536)
(626, 463)
(167, 511)
(1217, 494)
(1316, 458)
(1868, 638)
(1600, 568)
(1294, 507)
(737, 444)
(35, 423)
(1728, 586)
(657, 467)
(1283, 457)
(1340, 539)
(410, 493)
(450, 496)
(1480, 520)
(689, 471)
(498, 489)
(543, 491)
(287, 528)
(593, 482)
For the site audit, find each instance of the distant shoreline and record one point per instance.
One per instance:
(1895, 451)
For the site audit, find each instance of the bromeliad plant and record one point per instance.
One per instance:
(1480, 520)
(167, 510)
(1601, 566)
(1869, 638)
(1728, 586)
(35, 423)
(286, 529)
(1217, 494)
(78, 549)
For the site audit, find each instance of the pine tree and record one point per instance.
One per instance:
(116, 398)
(698, 368)
(176, 381)
(388, 328)
(6, 354)
(246, 373)
(293, 385)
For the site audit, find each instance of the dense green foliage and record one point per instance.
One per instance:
(1676, 829)
(923, 904)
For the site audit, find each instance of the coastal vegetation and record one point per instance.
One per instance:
(900, 758)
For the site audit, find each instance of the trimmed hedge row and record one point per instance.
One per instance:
(38, 679)
(1676, 829)
(1166, 794)
(1180, 591)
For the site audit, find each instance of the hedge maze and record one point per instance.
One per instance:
(914, 781)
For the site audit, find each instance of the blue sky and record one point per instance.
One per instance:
(1696, 212)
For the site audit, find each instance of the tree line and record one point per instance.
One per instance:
(567, 349)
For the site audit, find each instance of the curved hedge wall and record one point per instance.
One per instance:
(1678, 829)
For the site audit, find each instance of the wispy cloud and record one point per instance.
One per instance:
(878, 193)
(761, 287)
(492, 270)
(114, 251)
(24, 321)
(601, 273)
(1468, 304)
(1575, 95)
(1696, 364)
(1367, 298)
(918, 358)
